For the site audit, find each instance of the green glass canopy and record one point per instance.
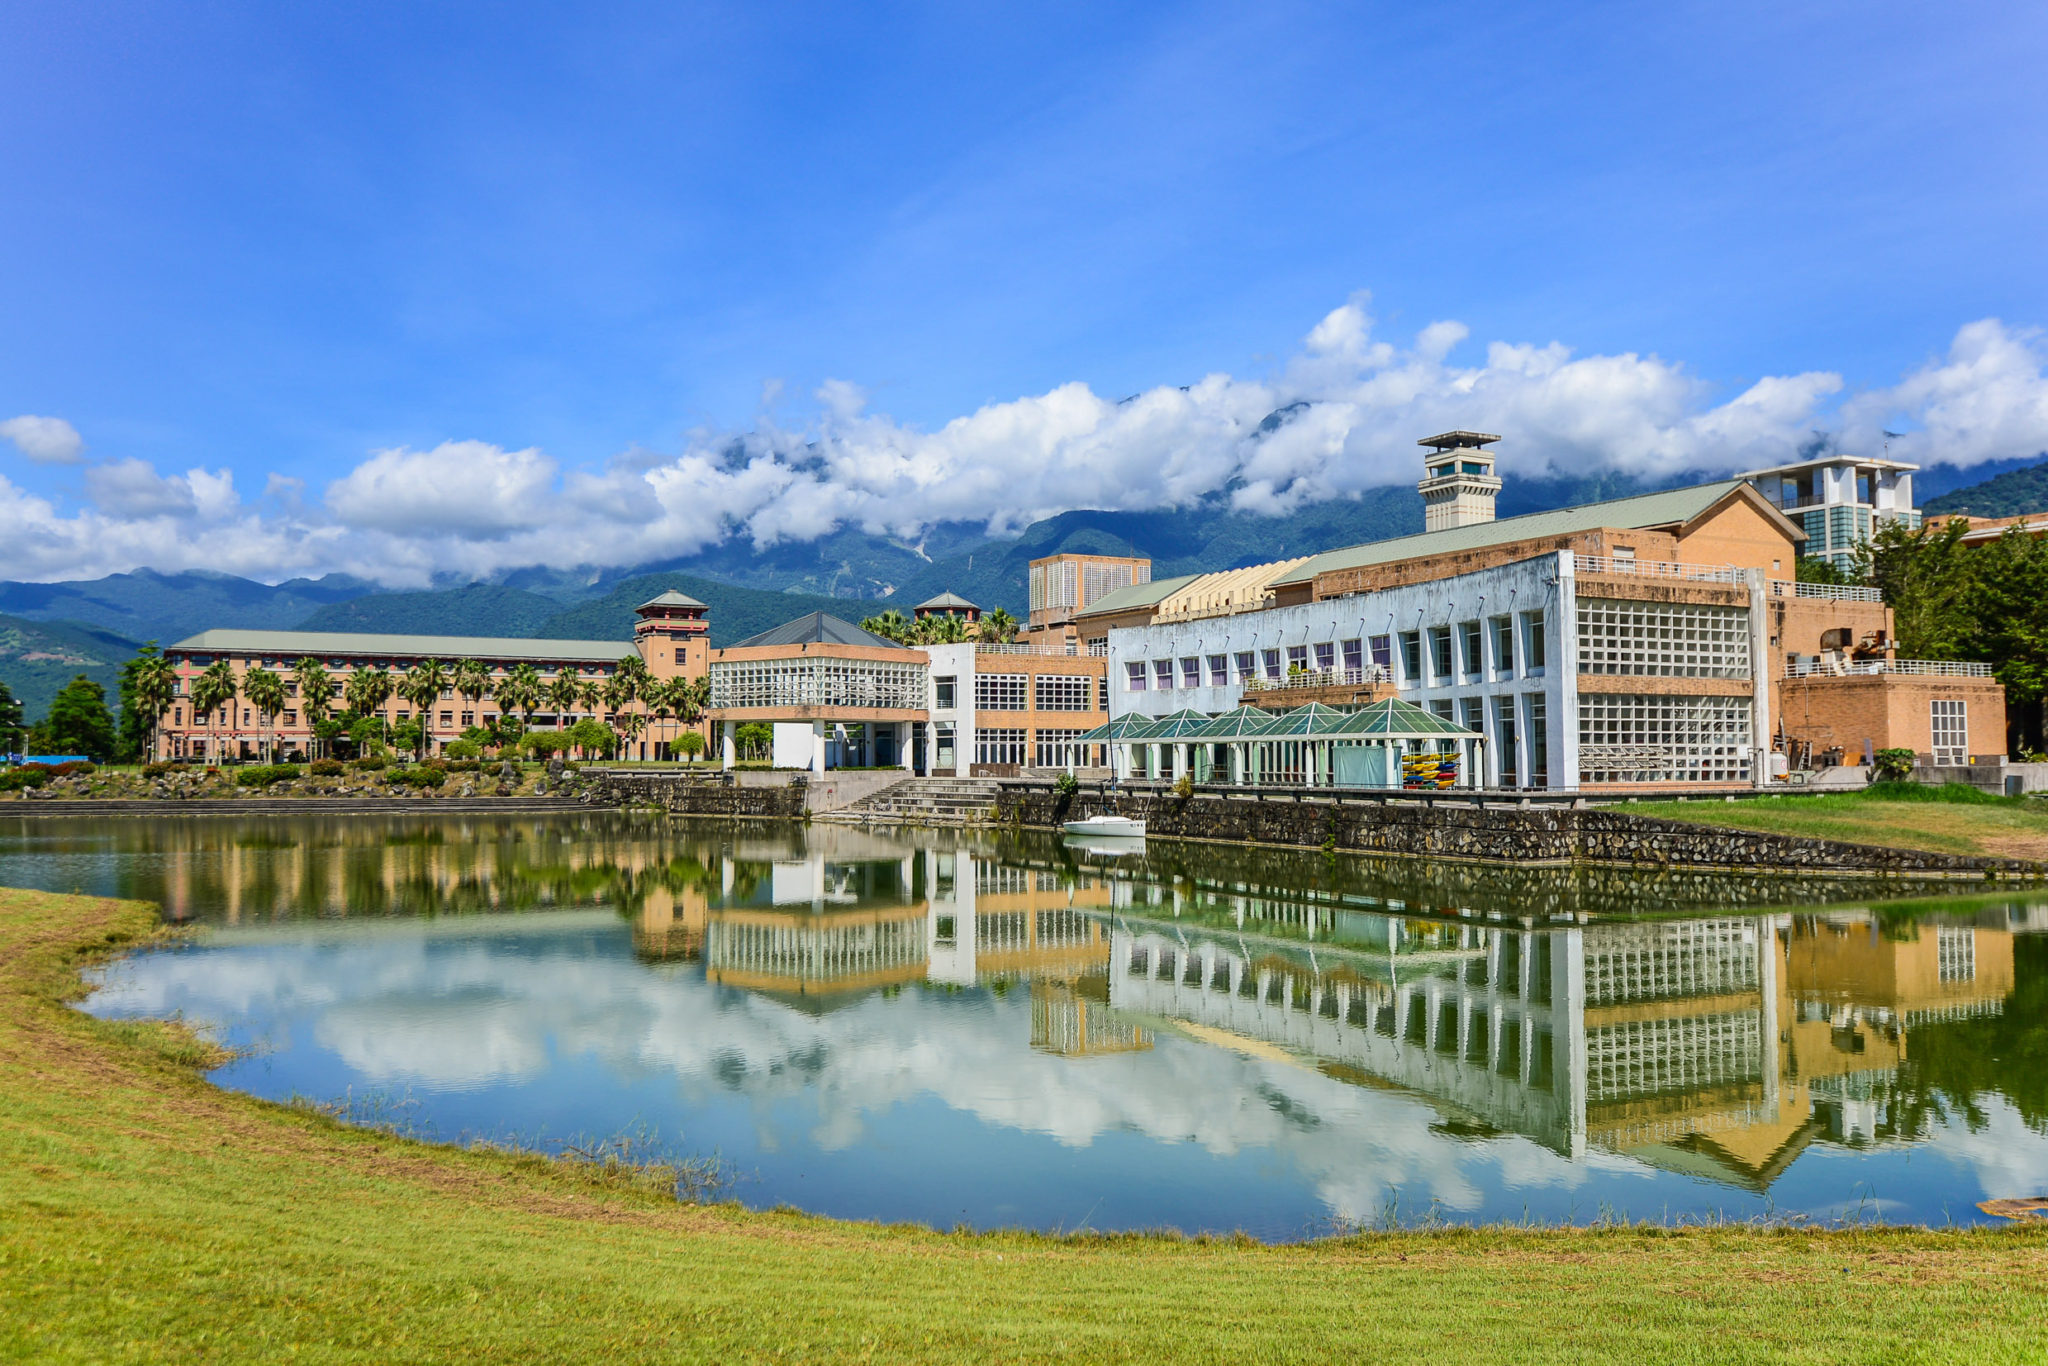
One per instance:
(1397, 720)
(1232, 725)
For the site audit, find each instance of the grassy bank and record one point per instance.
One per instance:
(1955, 819)
(146, 1216)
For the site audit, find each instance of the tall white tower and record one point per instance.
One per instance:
(1458, 485)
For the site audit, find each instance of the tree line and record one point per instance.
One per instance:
(941, 628)
(1987, 602)
(80, 721)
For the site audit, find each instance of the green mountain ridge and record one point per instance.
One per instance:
(37, 658)
(2010, 494)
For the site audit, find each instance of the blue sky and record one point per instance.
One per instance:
(268, 271)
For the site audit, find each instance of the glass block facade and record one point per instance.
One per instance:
(1654, 738)
(1663, 639)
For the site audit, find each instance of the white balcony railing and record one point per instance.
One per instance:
(1322, 678)
(1831, 592)
(1657, 569)
(1066, 650)
(1850, 668)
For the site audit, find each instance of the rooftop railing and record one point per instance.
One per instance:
(1832, 592)
(1322, 678)
(1657, 569)
(1850, 668)
(1063, 650)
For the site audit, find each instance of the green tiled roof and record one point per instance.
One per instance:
(1401, 720)
(1672, 506)
(294, 644)
(1138, 595)
(1233, 724)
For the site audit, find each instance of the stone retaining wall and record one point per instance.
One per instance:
(694, 794)
(1526, 835)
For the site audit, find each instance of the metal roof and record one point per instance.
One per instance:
(1137, 595)
(1174, 726)
(669, 599)
(297, 643)
(818, 628)
(1313, 719)
(1668, 508)
(946, 600)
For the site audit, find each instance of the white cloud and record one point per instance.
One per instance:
(45, 440)
(467, 489)
(1353, 404)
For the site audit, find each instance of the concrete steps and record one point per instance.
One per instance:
(922, 801)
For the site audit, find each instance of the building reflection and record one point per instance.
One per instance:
(1719, 1045)
(1715, 1046)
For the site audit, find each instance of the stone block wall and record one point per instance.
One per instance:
(1516, 834)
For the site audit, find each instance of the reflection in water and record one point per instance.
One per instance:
(947, 1027)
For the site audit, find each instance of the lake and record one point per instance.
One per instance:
(969, 1029)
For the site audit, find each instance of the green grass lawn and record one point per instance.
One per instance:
(147, 1216)
(1955, 819)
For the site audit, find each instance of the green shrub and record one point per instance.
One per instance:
(327, 768)
(370, 761)
(263, 775)
(161, 769)
(24, 775)
(1892, 765)
(1065, 786)
(420, 776)
(74, 767)
(463, 749)
(463, 765)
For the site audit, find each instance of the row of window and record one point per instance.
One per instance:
(818, 682)
(1502, 647)
(546, 671)
(1045, 748)
(1660, 639)
(1020, 692)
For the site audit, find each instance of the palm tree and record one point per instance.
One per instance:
(316, 691)
(938, 629)
(472, 681)
(519, 690)
(621, 690)
(367, 690)
(997, 625)
(212, 690)
(889, 625)
(629, 725)
(266, 692)
(563, 695)
(423, 686)
(156, 687)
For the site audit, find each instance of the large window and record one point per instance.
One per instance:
(1383, 652)
(1534, 650)
(1411, 657)
(1440, 652)
(1190, 672)
(1326, 657)
(1271, 659)
(944, 755)
(1247, 667)
(818, 680)
(1652, 738)
(999, 745)
(1297, 659)
(1354, 660)
(1534, 710)
(1951, 725)
(1219, 671)
(1162, 674)
(1503, 647)
(1058, 748)
(1473, 640)
(1504, 742)
(1663, 639)
(1062, 692)
(999, 692)
(1134, 676)
(948, 693)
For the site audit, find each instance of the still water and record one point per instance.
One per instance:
(962, 1029)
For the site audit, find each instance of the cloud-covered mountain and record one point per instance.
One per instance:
(1336, 422)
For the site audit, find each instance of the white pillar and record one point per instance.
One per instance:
(727, 748)
(817, 746)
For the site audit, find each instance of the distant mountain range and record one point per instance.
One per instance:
(94, 625)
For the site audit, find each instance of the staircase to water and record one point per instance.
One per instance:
(921, 801)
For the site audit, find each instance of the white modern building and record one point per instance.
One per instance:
(1839, 501)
